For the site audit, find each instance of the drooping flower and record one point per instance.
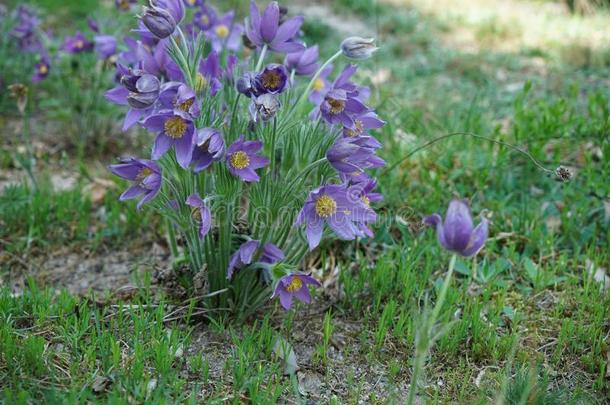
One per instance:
(162, 17)
(304, 63)
(338, 206)
(294, 286)
(266, 29)
(105, 46)
(358, 47)
(272, 79)
(209, 148)
(77, 43)
(209, 74)
(341, 104)
(243, 160)
(362, 123)
(321, 86)
(457, 234)
(245, 255)
(224, 33)
(145, 176)
(201, 214)
(173, 128)
(264, 107)
(349, 155)
(41, 69)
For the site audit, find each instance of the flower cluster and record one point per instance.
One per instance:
(238, 164)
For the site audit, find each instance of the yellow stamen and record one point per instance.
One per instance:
(271, 80)
(222, 31)
(240, 160)
(336, 106)
(175, 127)
(295, 285)
(43, 69)
(366, 200)
(205, 20)
(318, 85)
(357, 131)
(186, 105)
(143, 174)
(200, 83)
(326, 206)
(196, 214)
(79, 44)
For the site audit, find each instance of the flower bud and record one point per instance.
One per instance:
(246, 84)
(143, 92)
(265, 107)
(358, 48)
(159, 21)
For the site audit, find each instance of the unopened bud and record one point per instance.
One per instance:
(358, 48)
(159, 21)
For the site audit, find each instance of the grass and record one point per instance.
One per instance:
(526, 322)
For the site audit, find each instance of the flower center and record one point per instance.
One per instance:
(175, 127)
(356, 131)
(186, 105)
(318, 85)
(124, 5)
(200, 83)
(240, 160)
(326, 206)
(336, 106)
(142, 175)
(295, 285)
(196, 214)
(191, 2)
(43, 69)
(222, 31)
(79, 44)
(365, 200)
(205, 20)
(271, 80)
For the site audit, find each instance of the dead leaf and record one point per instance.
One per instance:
(284, 351)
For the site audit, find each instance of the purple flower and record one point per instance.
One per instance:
(341, 104)
(224, 33)
(209, 74)
(77, 44)
(93, 25)
(370, 120)
(205, 18)
(340, 207)
(105, 46)
(201, 214)
(145, 176)
(25, 30)
(42, 69)
(179, 96)
(243, 160)
(456, 234)
(364, 192)
(246, 84)
(245, 254)
(272, 79)
(304, 63)
(162, 17)
(173, 128)
(349, 155)
(266, 30)
(294, 286)
(321, 86)
(209, 148)
(193, 3)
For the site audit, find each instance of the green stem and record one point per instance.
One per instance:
(315, 77)
(261, 58)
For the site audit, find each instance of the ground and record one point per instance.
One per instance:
(91, 310)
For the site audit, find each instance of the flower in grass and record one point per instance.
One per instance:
(338, 206)
(304, 63)
(200, 213)
(209, 74)
(209, 148)
(163, 16)
(272, 79)
(41, 69)
(124, 5)
(358, 47)
(245, 255)
(179, 96)
(243, 160)
(25, 30)
(173, 128)
(364, 192)
(266, 29)
(205, 18)
(224, 33)
(145, 176)
(246, 84)
(105, 46)
(457, 234)
(264, 107)
(93, 25)
(321, 86)
(369, 120)
(294, 286)
(349, 155)
(342, 104)
(77, 44)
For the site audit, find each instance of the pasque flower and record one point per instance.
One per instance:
(209, 74)
(243, 160)
(25, 30)
(201, 214)
(457, 234)
(41, 69)
(105, 46)
(272, 79)
(246, 84)
(77, 44)
(163, 16)
(349, 155)
(264, 107)
(209, 148)
(145, 176)
(362, 123)
(358, 47)
(304, 63)
(340, 207)
(342, 104)
(266, 29)
(179, 96)
(225, 33)
(294, 286)
(173, 128)
(245, 255)
(321, 86)
(205, 18)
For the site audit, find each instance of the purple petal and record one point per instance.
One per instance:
(477, 239)
(288, 30)
(184, 149)
(161, 146)
(132, 192)
(458, 225)
(314, 232)
(118, 95)
(270, 21)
